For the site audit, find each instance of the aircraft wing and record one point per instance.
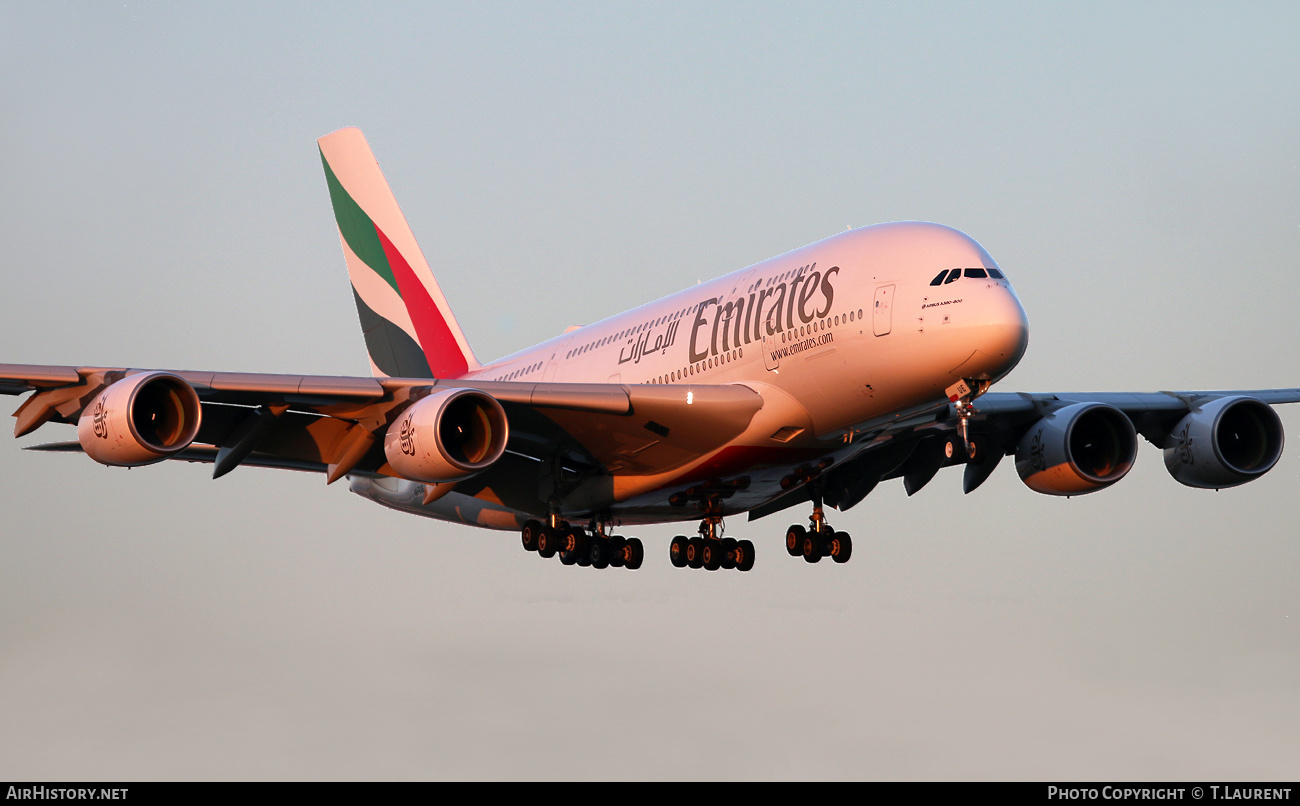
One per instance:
(336, 425)
(1152, 413)
(915, 446)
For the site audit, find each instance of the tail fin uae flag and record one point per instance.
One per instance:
(409, 328)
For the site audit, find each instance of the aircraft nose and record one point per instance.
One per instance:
(999, 335)
(1007, 330)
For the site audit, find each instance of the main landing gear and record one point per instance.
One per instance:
(578, 546)
(818, 540)
(710, 550)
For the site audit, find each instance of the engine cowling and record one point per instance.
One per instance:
(1079, 449)
(140, 420)
(1226, 442)
(448, 436)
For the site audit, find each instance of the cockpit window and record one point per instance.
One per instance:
(954, 276)
(939, 279)
(996, 275)
(976, 273)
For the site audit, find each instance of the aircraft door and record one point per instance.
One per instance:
(769, 352)
(557, 358)
(882, 310)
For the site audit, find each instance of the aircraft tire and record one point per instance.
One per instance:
(677, 552)
(616, 556)
(568, 557)
(600, 552)
(812, 547)
(633, 554)
(794, 540)
(528, 535)
(841, 547)
(729, 545)
(711, 555)
(744, 555)
(695, 552)
(548, 542)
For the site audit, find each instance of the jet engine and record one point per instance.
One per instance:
(448, 436)
(140, 420)
(1226, 442)
(1078, 449)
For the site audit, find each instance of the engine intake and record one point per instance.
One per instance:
(1226, 442)
(1079, 449)
(140, 420)
(448, 436)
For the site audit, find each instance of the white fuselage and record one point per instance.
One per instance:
(840, 336)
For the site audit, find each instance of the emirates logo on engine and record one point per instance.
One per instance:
(406, 436)
(1185, 454)
(1038, 452)
(100, 418)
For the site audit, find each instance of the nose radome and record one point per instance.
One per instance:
(998, 335)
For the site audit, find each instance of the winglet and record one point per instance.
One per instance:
(409, 328)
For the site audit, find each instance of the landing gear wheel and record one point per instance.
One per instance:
(711, 553)
(573, 541)
(794, 540)
(812, 547)
(677, 551)
(695, 552)
(744, 555)
(528, 535)
(599, 552)
(632, 553)
(840, 547)
(616, 543)
(729, 552)
(548, 542)
(568, 557)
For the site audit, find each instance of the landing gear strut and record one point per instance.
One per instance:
(961, 395)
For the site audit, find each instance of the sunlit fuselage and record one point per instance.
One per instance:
(838, 337)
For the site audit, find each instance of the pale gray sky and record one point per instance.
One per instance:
(1133, 168)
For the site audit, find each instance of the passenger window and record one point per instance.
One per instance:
(939, 279)
(977, 273)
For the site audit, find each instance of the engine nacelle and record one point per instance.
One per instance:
(140, 420)
(448, 436)
(1226, 442)
(1079, 449)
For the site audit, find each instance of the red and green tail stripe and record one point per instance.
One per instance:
(369, 243)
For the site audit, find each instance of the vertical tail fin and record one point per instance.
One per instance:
(409, 328)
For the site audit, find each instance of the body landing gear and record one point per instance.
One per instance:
(583, 547)
(710, 550)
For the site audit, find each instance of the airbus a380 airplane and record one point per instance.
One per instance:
(805, 379)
